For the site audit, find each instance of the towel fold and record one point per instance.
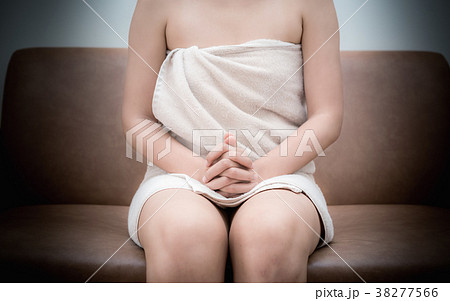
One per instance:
(296, 183)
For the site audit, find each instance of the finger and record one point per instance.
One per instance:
(216, 152)
(228, 195)
(232, 150)
(239, 174)
(217, 169)
(219, 182)
(240, 187)
(227, 134)
(236, 152)
(231, 140)
(242, 160)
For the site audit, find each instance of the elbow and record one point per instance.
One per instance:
(134, 124)
(134, 121)
(332, 123)
(126, 125)
(336, 120)
(339, 120)
(335, 128)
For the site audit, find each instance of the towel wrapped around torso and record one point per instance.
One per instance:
(255, 91)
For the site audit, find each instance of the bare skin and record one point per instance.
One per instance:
(187, 240)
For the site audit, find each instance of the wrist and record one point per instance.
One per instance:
(261, 168)
(199, 169)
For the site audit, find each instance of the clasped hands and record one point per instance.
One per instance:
(228, 171)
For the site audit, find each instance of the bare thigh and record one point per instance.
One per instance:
(282, 205)
(184, 236)
(174, 207)
(272, 235)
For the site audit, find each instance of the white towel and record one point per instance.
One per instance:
(297, 183)
(250, 88)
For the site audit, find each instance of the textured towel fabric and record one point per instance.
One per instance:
(253, 90)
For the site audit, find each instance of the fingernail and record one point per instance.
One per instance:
(204, 179)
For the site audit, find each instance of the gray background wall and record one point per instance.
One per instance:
(379, 25)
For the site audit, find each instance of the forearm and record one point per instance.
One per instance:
(153, 143)
(291, 155)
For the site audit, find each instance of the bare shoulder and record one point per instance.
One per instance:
(322, 9)
(309, 5)
(154, 6)
(313, 15)
(147, 28)
(153, 13)
(158, 10)
(319, 20)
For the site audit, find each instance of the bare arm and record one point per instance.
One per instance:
(323, 89)
(147, 51)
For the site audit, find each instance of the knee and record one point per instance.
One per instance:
(271, 235)
(267, 249)
(183, 235)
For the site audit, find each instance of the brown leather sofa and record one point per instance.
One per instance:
(66, 182)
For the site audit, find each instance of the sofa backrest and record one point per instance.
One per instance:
(61, 125)
(394, 146)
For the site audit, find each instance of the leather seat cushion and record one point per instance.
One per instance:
(385, 243)
(68, 243)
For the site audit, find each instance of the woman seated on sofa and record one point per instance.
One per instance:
(242, 67)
